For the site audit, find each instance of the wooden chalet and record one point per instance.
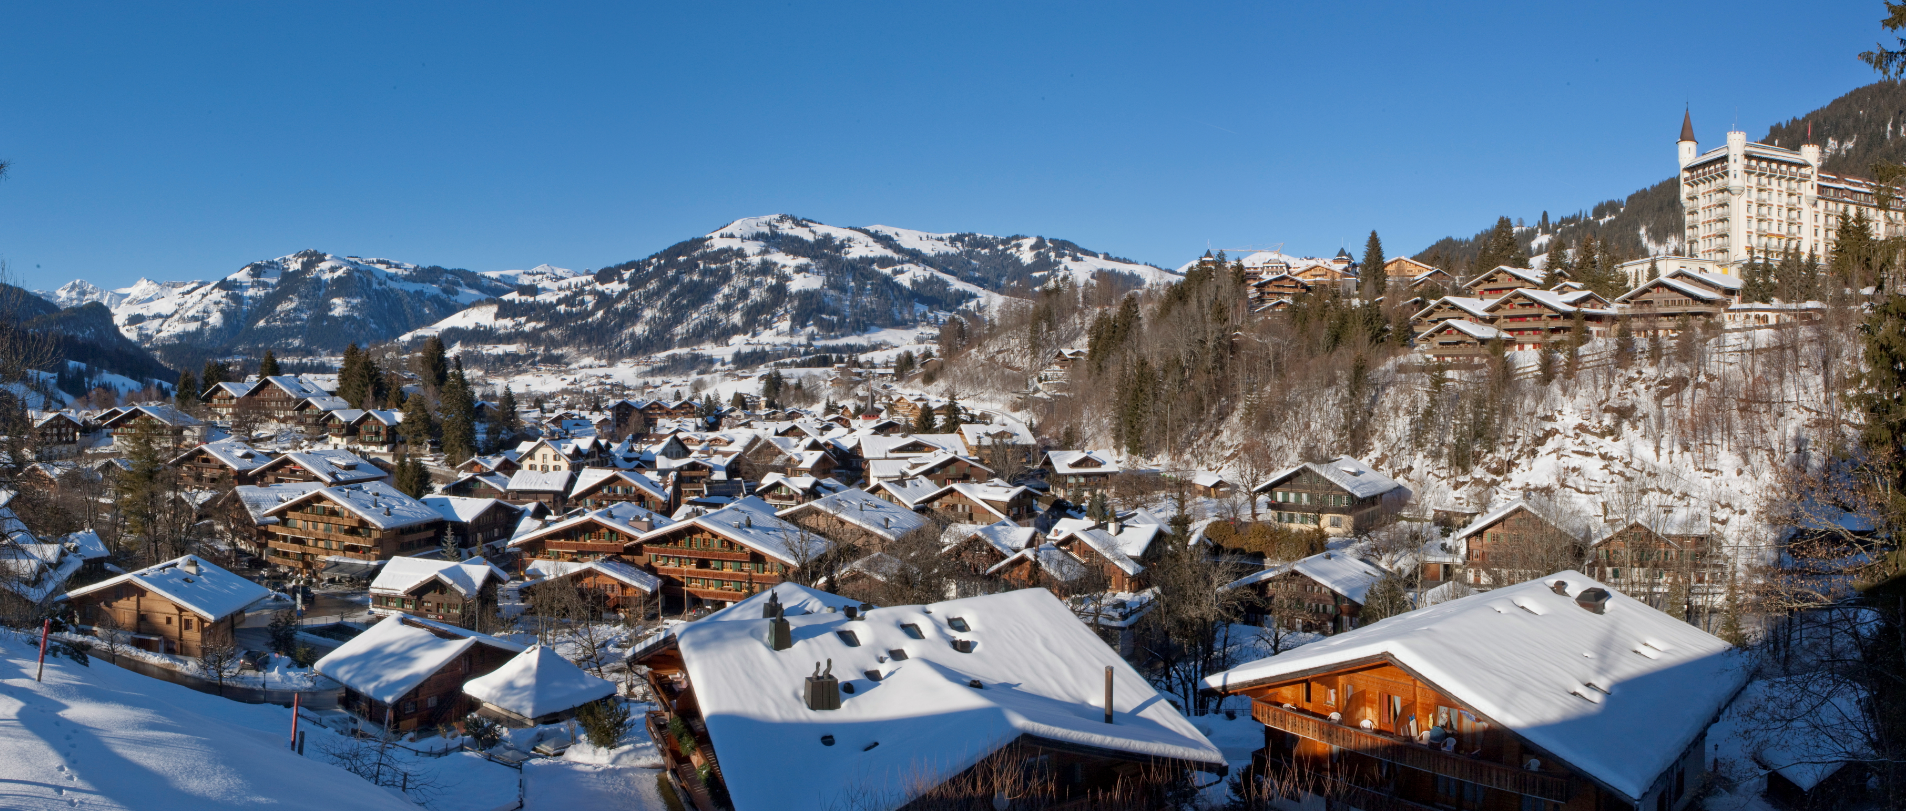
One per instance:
(329, 467)
(408, 672)
(1502, 280)
(979, 549)
(219, 465)
(1529, 318)
(1343, 496)
(1076, 475)
(1323, 593)
(785, 491)
(597, 487)
(276, 397)
(1497, 541)
(536, 688)
(1652, 554)
(614, 587)
(479, 485)
(1657, 307)
(725, 555)
(164, 426)
(611, 532)
(1449, 308)
(981, 503)
(1118, 551)
(1583, 699)
(221, 399)
(311, 412)
(1282, 285)
(1459, 339)
(475, 523)
(548, 488)
(56, 435)
(176, 607)
(373, 430)
(455, 592)
(887, 699)
(854, 519)
(369, 521)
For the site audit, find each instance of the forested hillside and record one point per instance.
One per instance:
(1854, 131)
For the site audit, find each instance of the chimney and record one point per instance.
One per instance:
(780, 635)
(1595, 599)
(191, 566)
(1559, 587)
(1108, 694)
(773, 607)
(823, 689)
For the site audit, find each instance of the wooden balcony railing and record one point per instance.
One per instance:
(1366, 800)
(1414, 755)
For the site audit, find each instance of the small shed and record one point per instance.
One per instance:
(536, 687)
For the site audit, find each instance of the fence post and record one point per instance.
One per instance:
(296, 701)
(45, 628)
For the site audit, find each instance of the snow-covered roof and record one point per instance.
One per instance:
(259, 499)
(1083, 462)
(328, 403)
(865, 510)
(211, 592)
(333, 466)
(397, 654)
(589, 477)
(1483, 521)
(540, 569)
(1617, 696)
(378, 503)
(978, 435)
(751, 522)
(1470, 304)
(618, 517)
(985, 494)
(1041, 673)
(1355, 477)
(1051, 560)
(401, 574)
(463, 509)
(537, 682)
(1718, 281)
(795, 599)
(1336, 571)
(231, 453)
(163, 413)
(87, 544)
(1004, 536)
(1112, 547)
(539, 481)
(1692, 291)
(800, 484)
(1524, 274)
(1481, 332)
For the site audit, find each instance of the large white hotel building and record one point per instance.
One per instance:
(1745, 199)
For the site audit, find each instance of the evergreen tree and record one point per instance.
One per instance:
(1500, 248)
(1546, 363)
(410, 478)
(739, 402)
(187, 397)
(1375, 278)
(417, 427)
(212, 375)
(1857, 255)
(511, 423)
(457, 407)
(1731, 631)
(432, 369)
(771, 387)
(1542, 226)
(1624, 343)
(924, 422)
(269, 366)
(903, 365)
(1557, 268)
(950, 416)
(1882, 397)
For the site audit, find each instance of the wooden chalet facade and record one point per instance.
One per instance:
(1340, 497)
(56, 435)
(582, 539)
(982, 504)
(1653, 557)
(1501, 281)
(366, 522)
(1459, 339)
(596, 488)
(472, 523)
(1367, 729)
(1659, 306)
(1076, 475)
(1449, 308)
(219, 465)
(1530, 318)
(436, 590)
(1500, 541)
(164, 426)
(177, 607)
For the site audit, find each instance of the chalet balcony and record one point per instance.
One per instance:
(593, 547)
(1408, 753)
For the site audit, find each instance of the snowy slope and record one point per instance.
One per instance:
(778, 280)
(80, 291)
(308, 301)
(104, 738)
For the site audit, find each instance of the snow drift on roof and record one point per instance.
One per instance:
(1336, 571)
(401, 574)
(1041, 672)
(396, 655)
(212, 592)
(536, 683)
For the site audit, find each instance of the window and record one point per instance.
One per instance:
(430, 702)
(849, 638)
(410, 707)
(913, 631)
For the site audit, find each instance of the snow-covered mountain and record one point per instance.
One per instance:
(306, 302)
(780, 278)
(80, 291)
(546, 276)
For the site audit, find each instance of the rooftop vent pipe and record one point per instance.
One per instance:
(1108, 694)
(823, 689)
(780, 635)
(192, 565)
(1560, 587)
(1595, 600)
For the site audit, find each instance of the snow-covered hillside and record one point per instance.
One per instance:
(104, 738)
(308, 301)
(778, 280)
(80, 291)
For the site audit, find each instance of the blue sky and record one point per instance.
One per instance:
(180, 141)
